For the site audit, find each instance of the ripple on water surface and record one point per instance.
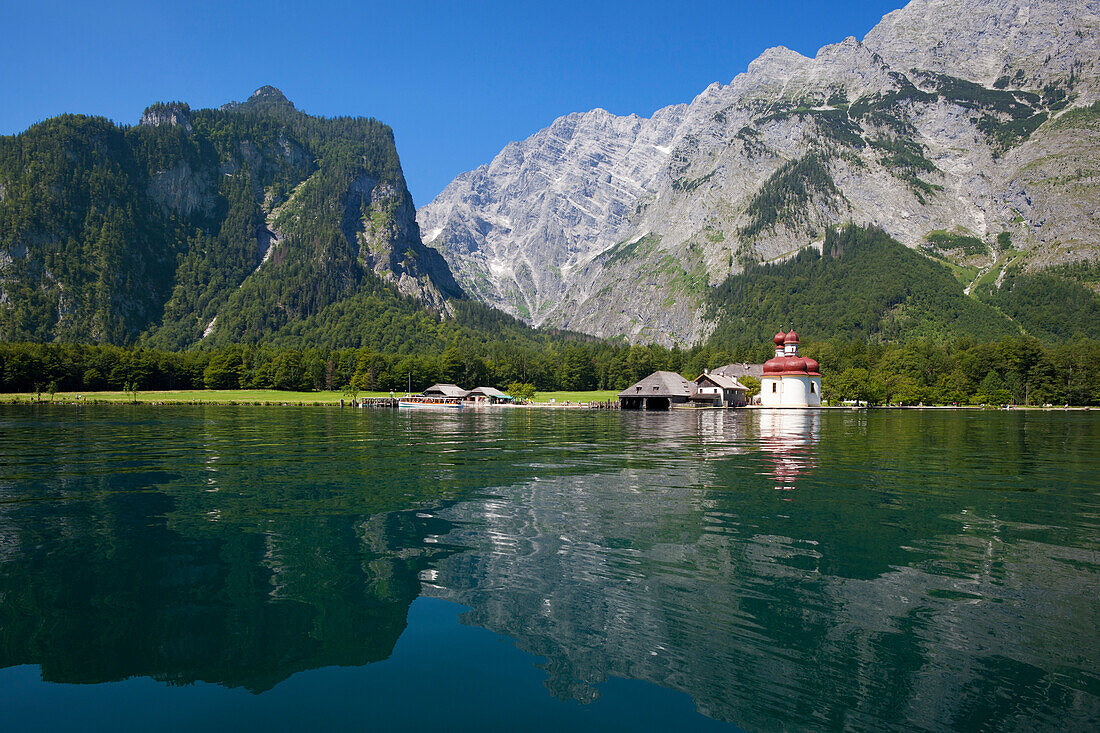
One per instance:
(784, 569)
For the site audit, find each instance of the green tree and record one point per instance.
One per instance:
(521, 390)
(224, 371)
(288, 370)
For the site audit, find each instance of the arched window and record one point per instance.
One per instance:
(775, 387)
(813, 387)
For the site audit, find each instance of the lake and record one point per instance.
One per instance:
(220, 568)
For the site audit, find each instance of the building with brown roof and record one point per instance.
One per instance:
(444, 390)
(658, 391)
(717, 390)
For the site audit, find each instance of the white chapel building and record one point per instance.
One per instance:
(790, 380)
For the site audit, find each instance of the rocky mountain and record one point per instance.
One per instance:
(966, 129)
(206, 226)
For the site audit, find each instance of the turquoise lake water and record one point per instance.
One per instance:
(228, 568)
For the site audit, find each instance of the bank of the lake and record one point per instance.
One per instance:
(195, 396)
(273, 397)
(263, 397)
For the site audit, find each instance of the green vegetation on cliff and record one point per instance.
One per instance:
(864, 285)
(1050, 307)
(786, 195)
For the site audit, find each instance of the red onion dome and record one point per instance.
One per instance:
(791, 338)
(779, 337)
(796, 364)
(812, 365)
(772, 366)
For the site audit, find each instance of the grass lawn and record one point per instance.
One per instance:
(602, 395)
(224, 396)
(265, 396)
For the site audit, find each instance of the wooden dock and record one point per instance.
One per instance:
(384, 402)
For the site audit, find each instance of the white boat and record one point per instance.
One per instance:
(430, 403)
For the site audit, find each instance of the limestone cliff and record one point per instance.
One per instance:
(968, 116)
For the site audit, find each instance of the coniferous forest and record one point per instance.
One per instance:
(1014, 370)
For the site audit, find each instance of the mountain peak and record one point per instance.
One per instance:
(265, 99)
(269, 95)
(621, 227)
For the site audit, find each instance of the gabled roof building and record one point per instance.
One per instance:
(738, 370)
(658, 391)
(487, 395)
(717, 390)
(444, 390)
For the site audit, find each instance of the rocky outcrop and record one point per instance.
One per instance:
(172, 114)
(522, 227)
(180, 190)
(946, 116)
(379, 222)
(1031, 43)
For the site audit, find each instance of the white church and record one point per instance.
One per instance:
(790, 380)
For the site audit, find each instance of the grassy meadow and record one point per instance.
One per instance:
(259, 396)
(575, 397)
(191, 396)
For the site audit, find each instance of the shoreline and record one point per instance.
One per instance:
(162, 398)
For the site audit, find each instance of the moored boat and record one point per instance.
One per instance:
(430, 402)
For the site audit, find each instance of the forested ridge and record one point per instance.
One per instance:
(863, 284)
(257, 213)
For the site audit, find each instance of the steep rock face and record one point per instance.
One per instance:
(984, 40)
(524, 224)
(183, 191)
(944, 117)
(380, 224)
(1052, 187)
(171, 114)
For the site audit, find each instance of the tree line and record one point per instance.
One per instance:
(1018, 370)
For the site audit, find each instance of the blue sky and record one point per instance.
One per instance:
(456, 81)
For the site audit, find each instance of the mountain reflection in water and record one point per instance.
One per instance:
(915, 570)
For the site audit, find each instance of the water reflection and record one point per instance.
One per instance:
(788, 436)
(271, 554)
(628, 577)
(903, 577)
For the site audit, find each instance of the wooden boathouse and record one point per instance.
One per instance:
(658, 391)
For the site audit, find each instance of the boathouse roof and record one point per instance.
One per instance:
(487, 391)
(446, 390)
(659, 384)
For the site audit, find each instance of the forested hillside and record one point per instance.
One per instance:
(863, 284)
(256, 215)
